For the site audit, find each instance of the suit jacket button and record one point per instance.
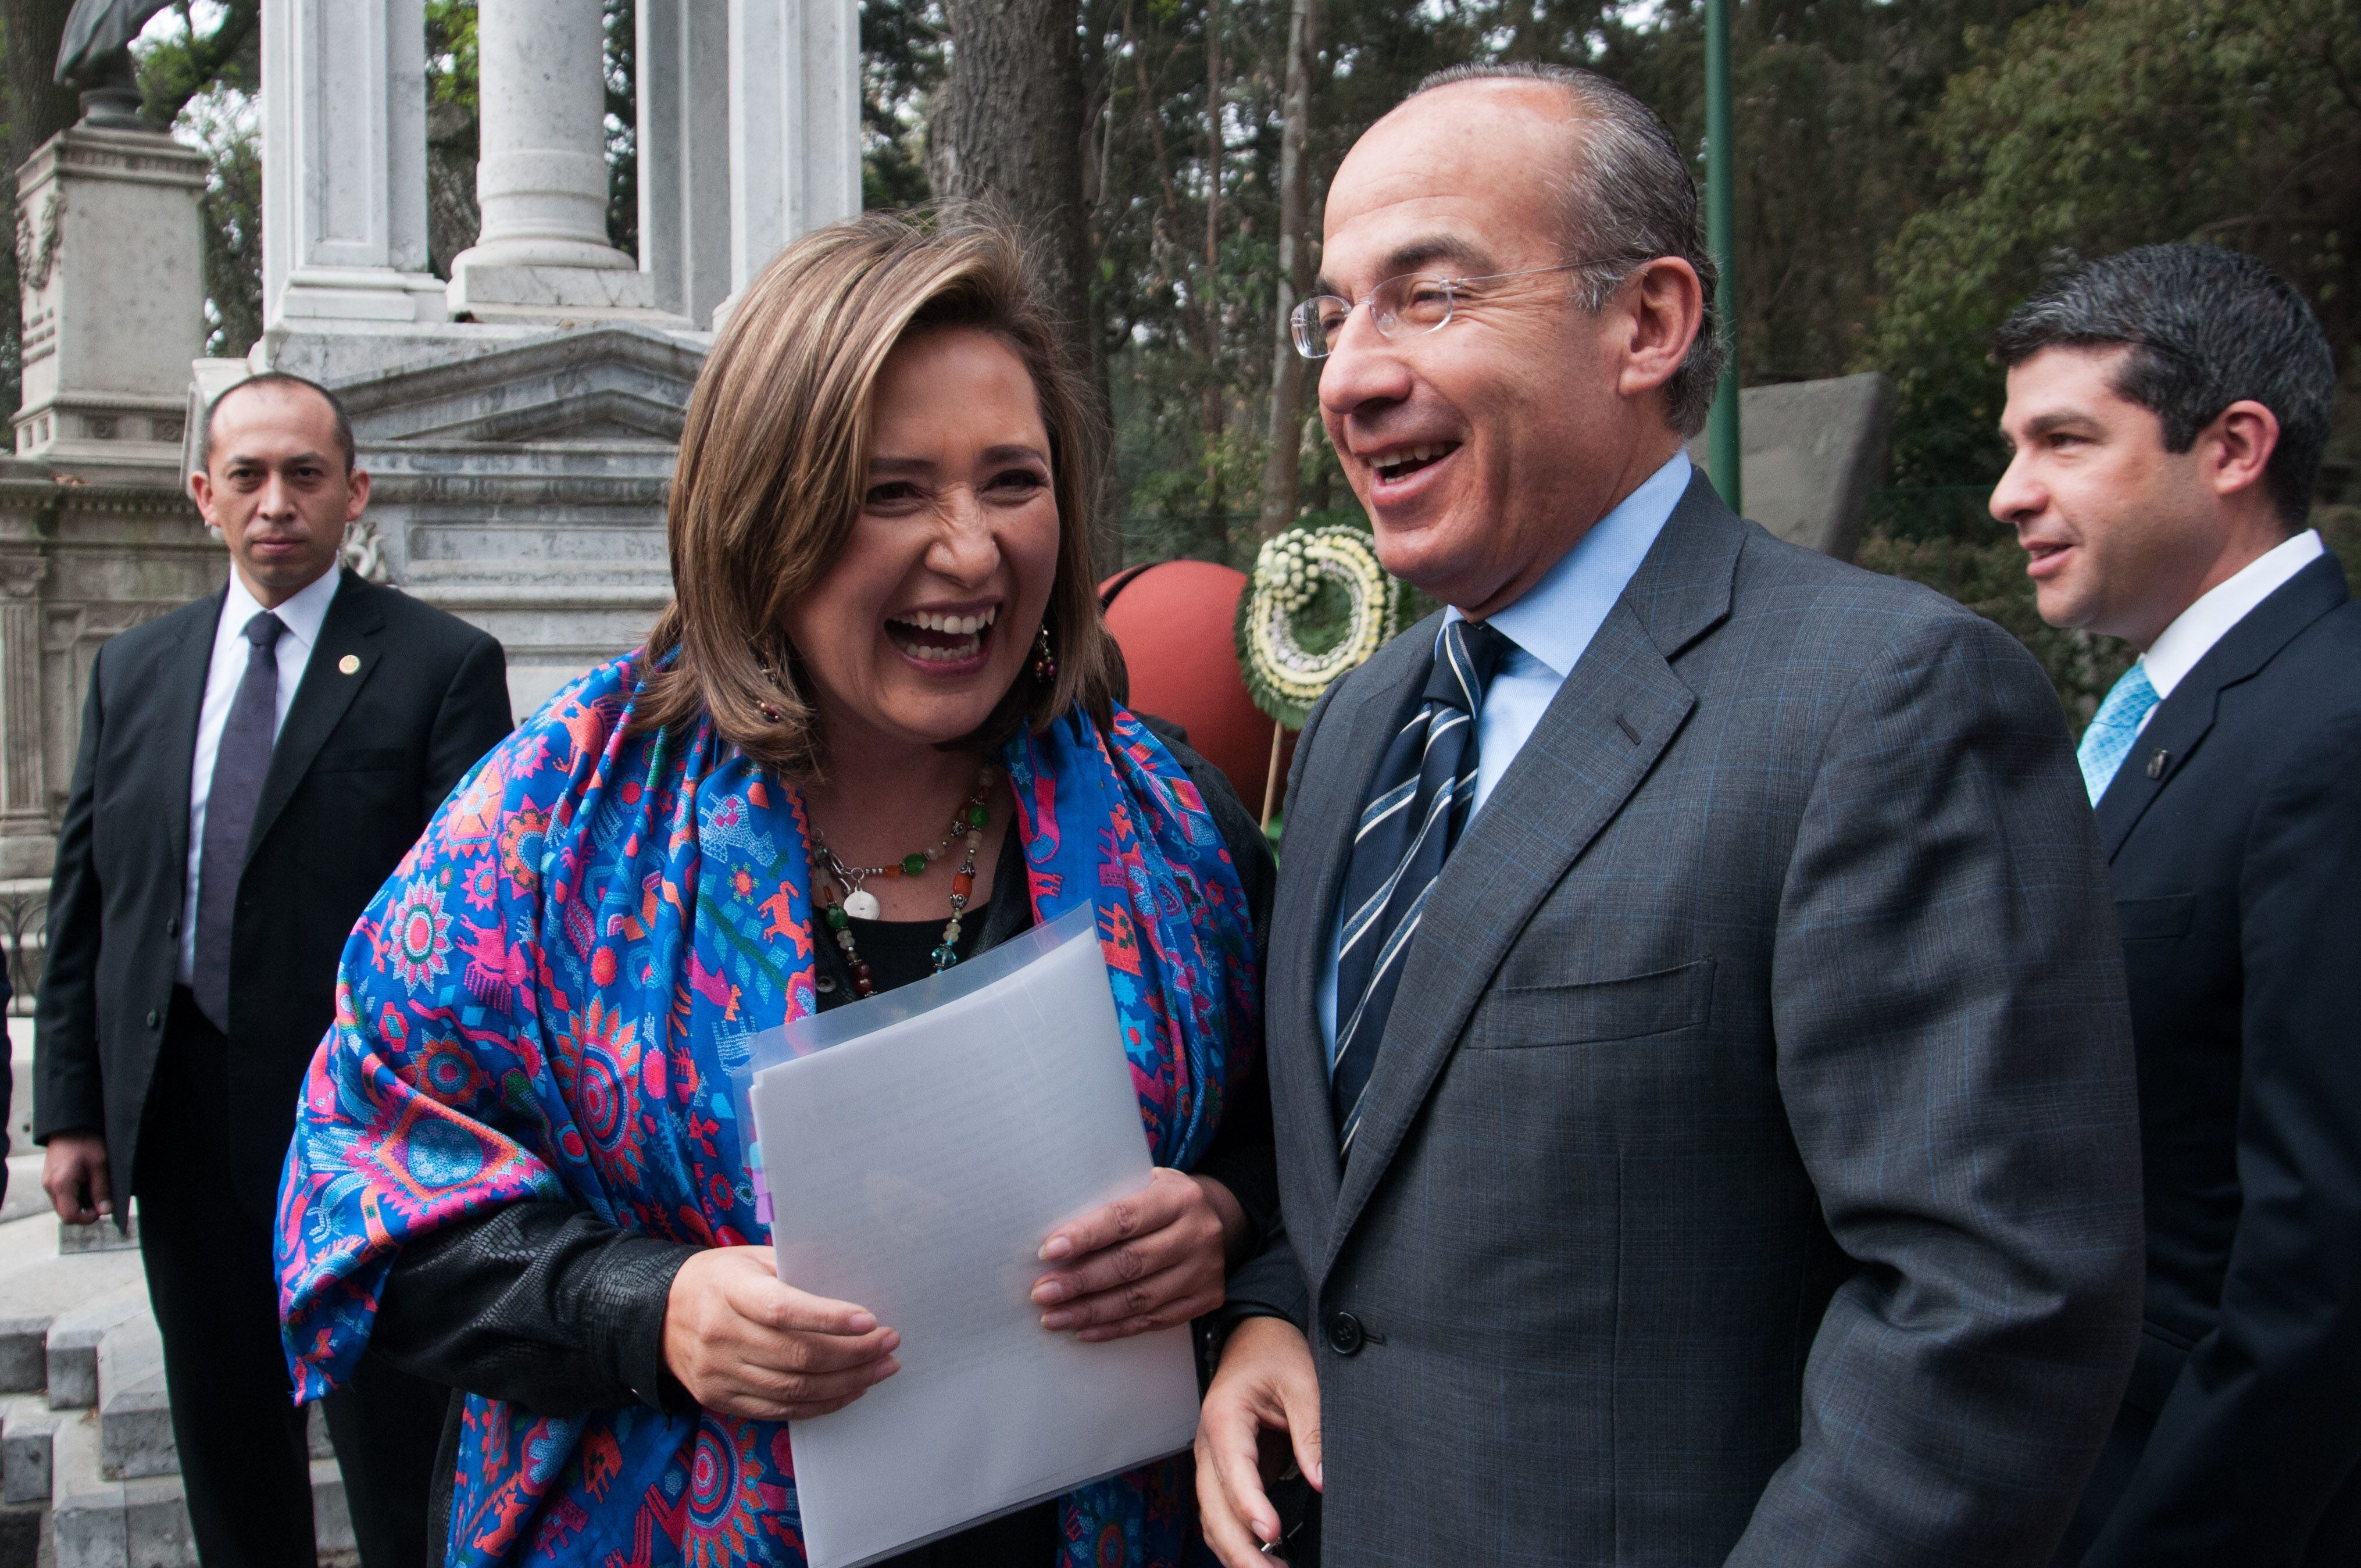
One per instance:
(1345, 1333)
(153, 1019)
(172, 926)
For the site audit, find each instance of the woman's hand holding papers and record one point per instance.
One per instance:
(1150, 1261)
(745, 1345)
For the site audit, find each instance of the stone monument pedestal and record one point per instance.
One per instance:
(96, 532)
(1815, 454)
(113, 267)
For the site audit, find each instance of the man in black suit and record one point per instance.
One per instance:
(2167, 408)
(252, 766)
(1705, 1111)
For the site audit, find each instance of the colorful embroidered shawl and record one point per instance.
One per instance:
(544, 1002)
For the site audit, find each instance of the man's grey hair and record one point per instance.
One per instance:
(1628, 199)
(2207, 327)
(276, 378)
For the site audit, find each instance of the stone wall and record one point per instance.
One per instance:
(519, 476)
(84, 553)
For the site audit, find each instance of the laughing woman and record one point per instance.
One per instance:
(874, 735)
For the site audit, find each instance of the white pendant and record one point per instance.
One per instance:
(861, 903)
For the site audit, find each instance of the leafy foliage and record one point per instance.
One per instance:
(1908, 169)
(200, 66)
(2083, 130)
(207, 45)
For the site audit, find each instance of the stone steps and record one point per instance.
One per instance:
(134, 1414)
(28, 1430)
(45, 1273)
(74, 1338)
(94, 1519)
(89, 1470)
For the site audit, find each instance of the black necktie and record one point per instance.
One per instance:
(239, 771)
(1425, 791)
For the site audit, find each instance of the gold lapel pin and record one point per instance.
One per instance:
(350, 664)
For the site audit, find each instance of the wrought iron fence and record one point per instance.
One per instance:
(24, 915)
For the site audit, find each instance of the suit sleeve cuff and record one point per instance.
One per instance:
(1267, 1285)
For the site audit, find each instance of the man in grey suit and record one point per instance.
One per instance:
(1698, 1036)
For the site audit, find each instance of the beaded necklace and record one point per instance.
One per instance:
(859, 903)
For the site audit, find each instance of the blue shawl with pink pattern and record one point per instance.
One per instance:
(545, 1001)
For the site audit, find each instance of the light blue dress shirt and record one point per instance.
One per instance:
(1551, 626)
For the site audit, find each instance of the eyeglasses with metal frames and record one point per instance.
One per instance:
(1413, 304)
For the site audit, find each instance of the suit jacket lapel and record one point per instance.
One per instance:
(2182, 720)
(182, 687)
(1620, 707)
(1351, 738)
(350, 630)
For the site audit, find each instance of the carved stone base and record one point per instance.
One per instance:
(543, 294)
(102, 428)
(86, 551)
(518, 478)
(111, 254)
(316, 294)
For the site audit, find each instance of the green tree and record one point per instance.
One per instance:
(200, 87)
(452, 139)
(2087, 129)
(901, 69)
(176, 68)
(2079, 131)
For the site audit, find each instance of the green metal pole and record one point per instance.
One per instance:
(1721, 238)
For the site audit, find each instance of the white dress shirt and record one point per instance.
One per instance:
(1551, 625)
(2194, 632)
(303, 615)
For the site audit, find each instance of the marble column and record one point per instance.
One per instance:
(541, 176)
(343, 164)
(682, 53)
(794, 125)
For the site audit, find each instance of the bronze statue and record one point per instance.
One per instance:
(94, 54)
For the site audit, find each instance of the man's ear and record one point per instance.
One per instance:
(201, 490)
(357, 499)
(2238, 447)
(1664, 308)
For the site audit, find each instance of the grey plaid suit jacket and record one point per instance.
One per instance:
(1750, 1171)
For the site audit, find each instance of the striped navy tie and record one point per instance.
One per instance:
(1425, 791)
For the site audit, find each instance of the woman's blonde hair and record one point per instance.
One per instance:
(773, 454)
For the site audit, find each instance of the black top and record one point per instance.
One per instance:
(897, 951)
(546, 1307)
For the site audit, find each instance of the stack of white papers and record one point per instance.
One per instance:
(915, 1160)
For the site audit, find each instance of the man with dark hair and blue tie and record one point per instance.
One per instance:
(2167, 409)
(251, 768)
(1695, 1030)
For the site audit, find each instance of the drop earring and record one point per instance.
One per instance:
(770, 711)
(1044, 658)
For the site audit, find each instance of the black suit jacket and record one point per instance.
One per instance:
(1749, 1171)
(362, 760)
(2237, 871)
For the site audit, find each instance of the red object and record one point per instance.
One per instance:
(1175, 622)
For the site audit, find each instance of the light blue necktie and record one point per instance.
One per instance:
(2113, 729)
